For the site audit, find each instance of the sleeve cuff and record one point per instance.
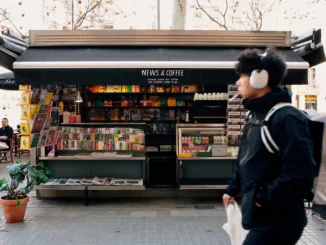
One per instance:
(262, 198)
(230, 192)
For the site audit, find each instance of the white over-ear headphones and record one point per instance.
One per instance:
(259, 78)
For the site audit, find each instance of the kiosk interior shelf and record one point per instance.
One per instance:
(99, 156)
(138, 103)
(204, 159)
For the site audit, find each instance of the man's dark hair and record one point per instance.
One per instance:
(255, 59)
(5, 119)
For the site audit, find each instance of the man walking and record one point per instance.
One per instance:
(273, 186)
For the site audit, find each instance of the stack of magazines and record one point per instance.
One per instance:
(96, 181)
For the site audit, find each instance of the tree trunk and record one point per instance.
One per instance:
(179, 14)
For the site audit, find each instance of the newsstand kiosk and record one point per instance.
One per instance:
(142, 109)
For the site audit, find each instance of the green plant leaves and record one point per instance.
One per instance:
(32, 172)
(4, 187)
(2, 181)
(38, 174)
(25, 190)
(15, 169)
(18, 202)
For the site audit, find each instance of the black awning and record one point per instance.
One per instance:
(10, 50)
(310, 47)
(7, 58)
(139, 65)
(7, 81)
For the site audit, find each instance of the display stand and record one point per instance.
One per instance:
(203, 159)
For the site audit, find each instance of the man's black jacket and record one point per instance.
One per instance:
(275, 181)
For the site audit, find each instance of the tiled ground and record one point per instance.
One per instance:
(124, 222)
(129, 221)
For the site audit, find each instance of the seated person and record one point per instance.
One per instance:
(6, 132)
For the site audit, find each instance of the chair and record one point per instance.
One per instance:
(4, 152)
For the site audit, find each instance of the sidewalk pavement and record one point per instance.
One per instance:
(133, 221)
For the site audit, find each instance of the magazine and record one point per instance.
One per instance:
(43, 137)
(87, 182)
(55, 116)
(36, 96)
(35, 138)
(51, 138)
(47, 124)
(39, 120)
(43, 96)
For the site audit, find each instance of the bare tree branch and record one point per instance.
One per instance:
(211, 18)
(90, 16)
(6, 17)
(89, 9)
(253, 15)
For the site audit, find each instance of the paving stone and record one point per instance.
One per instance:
(129, 223)
(143, 214)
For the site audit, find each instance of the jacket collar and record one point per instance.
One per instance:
(266, 102)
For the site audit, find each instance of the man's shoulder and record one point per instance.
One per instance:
(289, 112)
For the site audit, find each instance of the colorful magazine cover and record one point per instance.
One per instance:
(47, 124)
(55, 115)
(36, 96)
(56, 94)
(81, 145)
(43, 137)
(39, 120)
(73, 145)
(43, 96)
(35, 138)
(51, 138)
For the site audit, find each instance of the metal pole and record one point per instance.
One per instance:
(158, 15)
(72, 14)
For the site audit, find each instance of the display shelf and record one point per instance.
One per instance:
(203, 187)
(202, 125)
(89, 187)
(206, 158)
(141, 93)
(73, 158)
(61, 187)
(123, 121)
(116, 187)
(139, 107)
(104, 123)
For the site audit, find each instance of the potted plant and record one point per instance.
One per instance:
(14, 203)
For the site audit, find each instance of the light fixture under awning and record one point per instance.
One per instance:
(131, 65)
(140, 64)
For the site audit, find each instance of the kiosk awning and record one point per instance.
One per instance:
(309, 47)
(139, 65)
(10, 50)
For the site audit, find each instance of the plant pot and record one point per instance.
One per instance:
(12, 212)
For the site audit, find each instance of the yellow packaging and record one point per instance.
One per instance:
(48, 98)
(25, 128)
(109, 88)
(34, 109)
(116, 137)
(25, 142)
(102, 88)
(116, 88)
(61, 106)
(24, 87)
(25, 98)
(26, 113)
(188, 88)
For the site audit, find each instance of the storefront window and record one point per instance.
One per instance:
(311, 102)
